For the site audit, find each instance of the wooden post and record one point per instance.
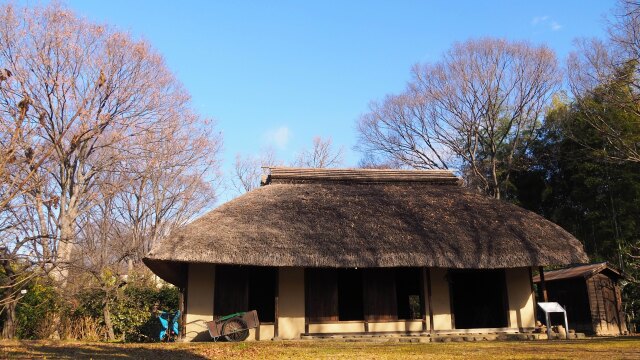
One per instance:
(428, 275)
(276, 332)
(182, 304)
(365, 316)
(306, 301)
(505, 300)
(181, 307)
(543, 286)
(533, 292)
(423, 298)
(449, 288)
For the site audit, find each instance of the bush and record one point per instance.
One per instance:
(37, 310)
(133, 318)
(43, 313)
(131, 310)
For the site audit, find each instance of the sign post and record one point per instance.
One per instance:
(553, 307)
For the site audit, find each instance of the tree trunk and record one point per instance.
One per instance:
(107, 321)
(63, 257)
(9, 326)
(11, 301)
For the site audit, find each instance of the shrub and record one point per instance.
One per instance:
(131, 310)
(43, 313)
(37, 310)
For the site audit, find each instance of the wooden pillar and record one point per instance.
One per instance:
(306, 302)
(451, 307)
(427, 273)
(533, 292)
(276, 333)
(543, 285)
(423, 298)
(365, 315)
(506, 301)
(182, 304)
(181, 308)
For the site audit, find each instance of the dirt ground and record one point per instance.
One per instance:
(601, 348)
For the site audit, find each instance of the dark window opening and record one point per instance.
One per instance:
(262, 292)
(478, 298)
(243, 288)
(408, 293)
(573, 295)
(350, 304)
(230, 292)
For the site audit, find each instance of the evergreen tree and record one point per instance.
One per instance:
(574, 180)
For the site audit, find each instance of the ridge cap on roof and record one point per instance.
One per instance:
(279, 174)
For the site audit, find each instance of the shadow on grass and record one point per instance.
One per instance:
(62, 350)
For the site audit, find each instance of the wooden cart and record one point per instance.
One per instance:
(234, 327)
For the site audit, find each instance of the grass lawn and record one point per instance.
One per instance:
(620, 348)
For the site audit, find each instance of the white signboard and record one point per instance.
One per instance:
(551, 307)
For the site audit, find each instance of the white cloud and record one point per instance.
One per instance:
(278, 137)
(546, 21)
(539, 19)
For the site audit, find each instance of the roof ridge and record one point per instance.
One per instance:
(292, 174)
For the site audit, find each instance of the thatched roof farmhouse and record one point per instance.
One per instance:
(341, 250)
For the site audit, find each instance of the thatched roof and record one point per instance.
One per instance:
(367, 218)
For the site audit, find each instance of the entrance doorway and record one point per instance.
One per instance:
(479, 298)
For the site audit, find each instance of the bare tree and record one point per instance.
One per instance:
(248, 170)
(99, 261)
(478, 109)
(166, 182)
(369, 161)
(25, 233)
(610, 72)
(89, 89)
(162, 184)
(399, 130)
(624, 29)
(321, 155)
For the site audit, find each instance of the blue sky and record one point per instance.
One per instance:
(277, 73)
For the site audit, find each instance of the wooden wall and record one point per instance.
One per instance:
(593, 305)
(606, 306)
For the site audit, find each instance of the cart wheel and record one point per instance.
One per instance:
(235, 329)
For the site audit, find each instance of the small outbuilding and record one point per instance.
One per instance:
(343, 251)
(591, 296)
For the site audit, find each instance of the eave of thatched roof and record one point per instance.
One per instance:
(363, 219)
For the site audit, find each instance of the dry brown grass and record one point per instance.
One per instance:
(620, 348)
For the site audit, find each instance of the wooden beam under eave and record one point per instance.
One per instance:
(543, 285)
